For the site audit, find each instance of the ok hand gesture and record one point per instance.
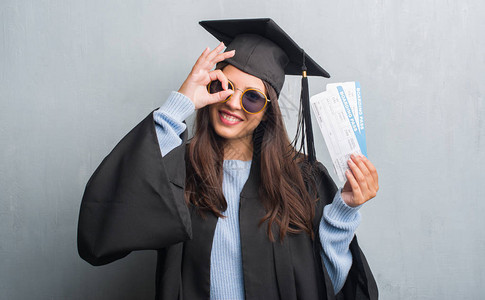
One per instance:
(195, 86)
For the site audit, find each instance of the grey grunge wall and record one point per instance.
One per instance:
(76, 76)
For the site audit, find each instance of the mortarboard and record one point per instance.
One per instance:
(264, 50)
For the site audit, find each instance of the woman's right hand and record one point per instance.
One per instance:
(195, 86)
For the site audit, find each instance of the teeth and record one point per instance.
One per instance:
(229, 118)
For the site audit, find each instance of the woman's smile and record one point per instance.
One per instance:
(228, 118)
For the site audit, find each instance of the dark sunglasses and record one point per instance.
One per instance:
(252, 100)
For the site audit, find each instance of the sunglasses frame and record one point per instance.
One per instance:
(240, 98)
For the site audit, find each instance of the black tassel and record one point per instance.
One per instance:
(307, 119)
(304, 130)
(305, 101)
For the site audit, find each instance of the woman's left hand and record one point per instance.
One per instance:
(362, 181)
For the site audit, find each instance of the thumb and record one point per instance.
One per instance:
(220, 96)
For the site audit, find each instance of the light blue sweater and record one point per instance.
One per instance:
(337, 225)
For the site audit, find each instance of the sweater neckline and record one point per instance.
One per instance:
(232, 164)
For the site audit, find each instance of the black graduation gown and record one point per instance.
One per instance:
(135, 201)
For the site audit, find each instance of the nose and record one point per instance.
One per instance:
(235, 101)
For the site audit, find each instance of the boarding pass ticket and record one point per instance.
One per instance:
(340, 117)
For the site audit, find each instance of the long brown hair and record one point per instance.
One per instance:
(283, 191)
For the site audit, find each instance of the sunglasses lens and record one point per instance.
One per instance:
(215, 86)
(253, 101)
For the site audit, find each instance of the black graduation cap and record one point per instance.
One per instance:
(264, 50)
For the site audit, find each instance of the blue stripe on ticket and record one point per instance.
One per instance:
(360, 111)
(353, 123)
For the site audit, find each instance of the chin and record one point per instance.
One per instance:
(230, 133)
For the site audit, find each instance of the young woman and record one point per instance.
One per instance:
(237, 212)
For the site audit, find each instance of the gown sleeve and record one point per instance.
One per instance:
(360, 283)
(135, 199)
